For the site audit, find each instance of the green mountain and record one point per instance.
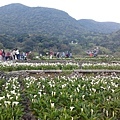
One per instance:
(20, 19)
(99, 27)
(42, 29)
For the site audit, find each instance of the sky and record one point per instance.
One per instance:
(98, 10)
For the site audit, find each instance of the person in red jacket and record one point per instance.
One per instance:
(0, 55)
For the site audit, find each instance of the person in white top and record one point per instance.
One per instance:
(17, 54)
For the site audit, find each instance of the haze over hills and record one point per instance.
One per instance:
(41, 29)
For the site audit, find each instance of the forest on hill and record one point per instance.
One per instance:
(41, 29)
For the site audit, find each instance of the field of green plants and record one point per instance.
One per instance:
(62, 97)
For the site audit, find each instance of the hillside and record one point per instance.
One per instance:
(19, 19)
(42, 29)
(99, 27)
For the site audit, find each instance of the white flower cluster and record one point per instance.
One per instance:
(10, 99)
(101, 65)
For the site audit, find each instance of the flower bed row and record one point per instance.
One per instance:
(57, 66)
(62, 98)
(38, 66)
(109, 66)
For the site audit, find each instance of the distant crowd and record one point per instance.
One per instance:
(12, 55)
(15, 54)
(93, 53)
(66, 54)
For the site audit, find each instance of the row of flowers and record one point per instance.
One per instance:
(109, 66)
(8, 66)
(62, 98)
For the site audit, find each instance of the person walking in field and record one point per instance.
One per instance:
(3, 54)
(13, 54)
(0, 55)
(17, 54)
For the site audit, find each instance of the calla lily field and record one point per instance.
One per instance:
(72, 96)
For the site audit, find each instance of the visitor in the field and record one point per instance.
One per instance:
(13, 54)
(17, 54)
(3, 54)
(0, 55)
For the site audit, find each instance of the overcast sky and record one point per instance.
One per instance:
(98, 10)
